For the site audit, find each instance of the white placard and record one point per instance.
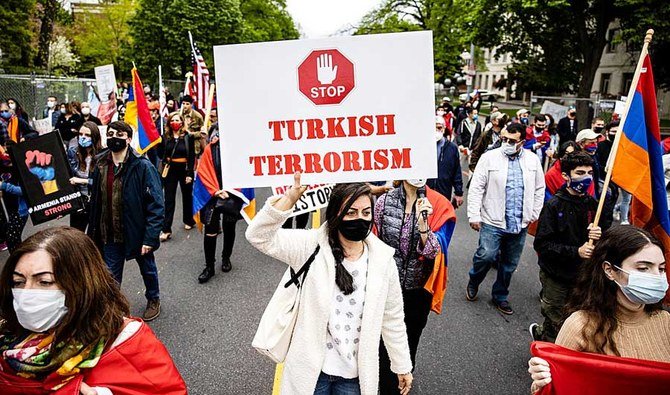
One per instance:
(620, 107)
(380, 127)
(105, 80)
(43, 125)
(314, 198)
(554, 109)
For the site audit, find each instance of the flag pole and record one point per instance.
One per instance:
(160, 92)
(617, 139)
(208, 110)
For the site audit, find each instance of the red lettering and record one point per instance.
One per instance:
(257, 161)
(400, 159)
(367, 160)
(274, 165)
(332, 162)
(276, 126)
(385, 124)
(381, 159)
(367, 128)
(315, 129)
(312, 163)
(335, 127)
(292, 134)
(352, 126)
(351, 161)
(292, 164)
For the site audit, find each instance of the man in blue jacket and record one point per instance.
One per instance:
(449, 176)
(127, 210)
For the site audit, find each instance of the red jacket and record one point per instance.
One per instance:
(140, 365)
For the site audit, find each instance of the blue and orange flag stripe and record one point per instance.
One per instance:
(139, 117)
(638, 164)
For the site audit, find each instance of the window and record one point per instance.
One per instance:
(605, 82)
(486, 83)
(612, 45)
(626, 81)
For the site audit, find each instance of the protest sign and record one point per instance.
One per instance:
(105, 80)
(44, 175)
(314, 198)
(42, 125)
(339, 109)
(554, 109)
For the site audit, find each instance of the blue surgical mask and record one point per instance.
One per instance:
(85, 141)
(581, 184)
(475, 117)
(644, 288)
(5, 114)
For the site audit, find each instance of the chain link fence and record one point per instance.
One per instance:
(32, 91)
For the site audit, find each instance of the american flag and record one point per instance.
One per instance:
(198, 86)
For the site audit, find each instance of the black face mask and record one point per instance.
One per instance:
(116, 144)
(355, 229)
(598, 129)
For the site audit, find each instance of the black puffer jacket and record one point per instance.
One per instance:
(563, 228)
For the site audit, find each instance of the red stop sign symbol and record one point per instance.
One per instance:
(326, 77)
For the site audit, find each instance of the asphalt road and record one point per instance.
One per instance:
(469, 349)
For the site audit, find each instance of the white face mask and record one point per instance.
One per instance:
(440, 113)
(644, 288)
(51, 104)
(509, 149)
(85, 110)
(12, 106)
(39, 310)
(438, 136)
(417, 182)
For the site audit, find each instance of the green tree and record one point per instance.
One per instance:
(49, 13)
(557, 45)
(449, 26)
(17, 33)
(267, 20)
(159, 30)
(101, 35)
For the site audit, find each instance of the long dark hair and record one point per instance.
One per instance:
(96, 306)
(341, 199)
(596, 295)
(83, 153)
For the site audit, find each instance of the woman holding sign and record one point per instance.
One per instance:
(350, 296)
(616, 305)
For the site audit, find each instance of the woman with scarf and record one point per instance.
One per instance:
(82, 163)
(418, 223)
(66, 327)
(616, 306)
(177, 152)
(350, 296)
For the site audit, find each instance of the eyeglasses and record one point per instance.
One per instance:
(119, 134)
(509, 140)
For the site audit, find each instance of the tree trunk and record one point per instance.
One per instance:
(592, 57)
(49, 11)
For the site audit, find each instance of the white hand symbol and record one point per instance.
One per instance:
(325, 72)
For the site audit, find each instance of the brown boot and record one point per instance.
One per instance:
(152, 311)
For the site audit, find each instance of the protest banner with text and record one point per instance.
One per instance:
(314, 198)
(340, 109)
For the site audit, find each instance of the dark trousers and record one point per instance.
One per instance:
(79, 219)
(115, 258)
(177, 176)
(417, 307)
(553, 298)
(300, 222)
(215, 226)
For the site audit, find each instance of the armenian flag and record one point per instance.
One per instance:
(637, 164)
(206, 184)
(442, 222)
(138, 116)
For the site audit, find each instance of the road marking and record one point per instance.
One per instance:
(279, 369)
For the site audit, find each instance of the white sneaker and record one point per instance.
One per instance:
(625, 223)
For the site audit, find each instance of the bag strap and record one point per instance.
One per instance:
(303, 270)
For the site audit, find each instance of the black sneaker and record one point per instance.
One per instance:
(206, 274)
(503, 307)
(471, 292)
(535, 330)
(226, 266)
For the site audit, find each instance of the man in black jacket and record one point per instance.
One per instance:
(127, 211)
(567, 127)
(562, 241)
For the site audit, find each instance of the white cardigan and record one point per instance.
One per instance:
(382, 315)
(486, 198)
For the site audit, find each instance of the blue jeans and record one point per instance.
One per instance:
(115, 257)
(492, 240)
(335, 385)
